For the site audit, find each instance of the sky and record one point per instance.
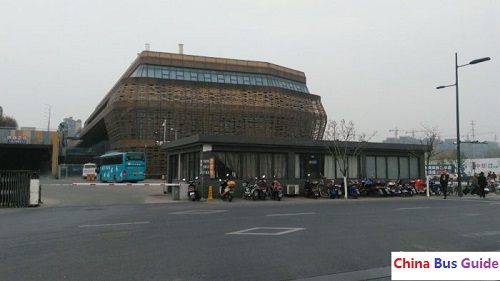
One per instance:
(374, 62)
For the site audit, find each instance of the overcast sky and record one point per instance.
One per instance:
(374, 62)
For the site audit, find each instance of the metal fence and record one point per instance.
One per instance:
(69, 170)
(15, 188)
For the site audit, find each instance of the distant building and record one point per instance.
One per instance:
(70, 129)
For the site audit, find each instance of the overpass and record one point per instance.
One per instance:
(29, 150)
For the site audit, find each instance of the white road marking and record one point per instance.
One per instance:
(296, 214)
(114, 224)
(198, 212)
(266, 231)
(483, 234)
(414, 208)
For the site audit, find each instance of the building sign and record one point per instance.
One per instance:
(204, 167)
(434, 170)
(17, 139)
(482, 165)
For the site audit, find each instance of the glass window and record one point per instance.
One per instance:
(157, 72)
(180, 74)
(280, 163)
(249, 161)
(352, 170)
(404, 167)
(246, 80)
(165, 74)
(151, 72)
(258, 81)
(371, 169)
(381, 167)
(266, 165)
(190, 74)
(330, 167)
(414, 168)
(392, 168)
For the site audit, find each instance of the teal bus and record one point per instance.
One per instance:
(122, 166)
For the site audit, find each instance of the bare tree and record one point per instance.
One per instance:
(344, 143)
(431, 140)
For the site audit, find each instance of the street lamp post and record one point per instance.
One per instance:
(476, 61)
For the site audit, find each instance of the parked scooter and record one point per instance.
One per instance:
(311, 188)
(192, 190)
(336, 189)
(226, 189)
(352, 190)
(260, 190)
(276, 190)
(248, 187)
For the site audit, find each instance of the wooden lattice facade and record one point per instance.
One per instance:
(163, 96)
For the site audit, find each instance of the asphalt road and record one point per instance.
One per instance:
(139, 233)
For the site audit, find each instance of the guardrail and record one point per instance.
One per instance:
(19, 189)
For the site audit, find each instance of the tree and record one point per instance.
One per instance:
(431, 140)
(344, 143)
(7, 121)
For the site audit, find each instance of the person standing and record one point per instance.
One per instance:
(482, 182)
(443, 180)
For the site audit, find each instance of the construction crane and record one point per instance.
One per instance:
(396, 130)
(413, 132)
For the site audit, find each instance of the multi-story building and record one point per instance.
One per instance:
(167, 96)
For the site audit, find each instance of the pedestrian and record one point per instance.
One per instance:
(443, 180)
(482, 182)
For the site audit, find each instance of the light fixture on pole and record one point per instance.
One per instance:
(476, 61)
(175, 132)
(164, 125)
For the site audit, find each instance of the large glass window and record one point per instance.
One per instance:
(392, 168)
(213, 76)
(381, 167)
(371, 167)
(414, 168)
(250, 165)
(404, 167)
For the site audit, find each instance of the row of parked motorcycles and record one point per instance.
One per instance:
(226, 189)
(259, 189)
(323, 187)
(256, 190)
(334, 188)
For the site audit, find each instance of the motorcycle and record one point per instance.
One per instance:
(352, 190)
(311, 188)
(226, 189)
(276, 190)
(192, 190)
(259, 190)
(247, 192)
(435, 187)
(335, 189)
